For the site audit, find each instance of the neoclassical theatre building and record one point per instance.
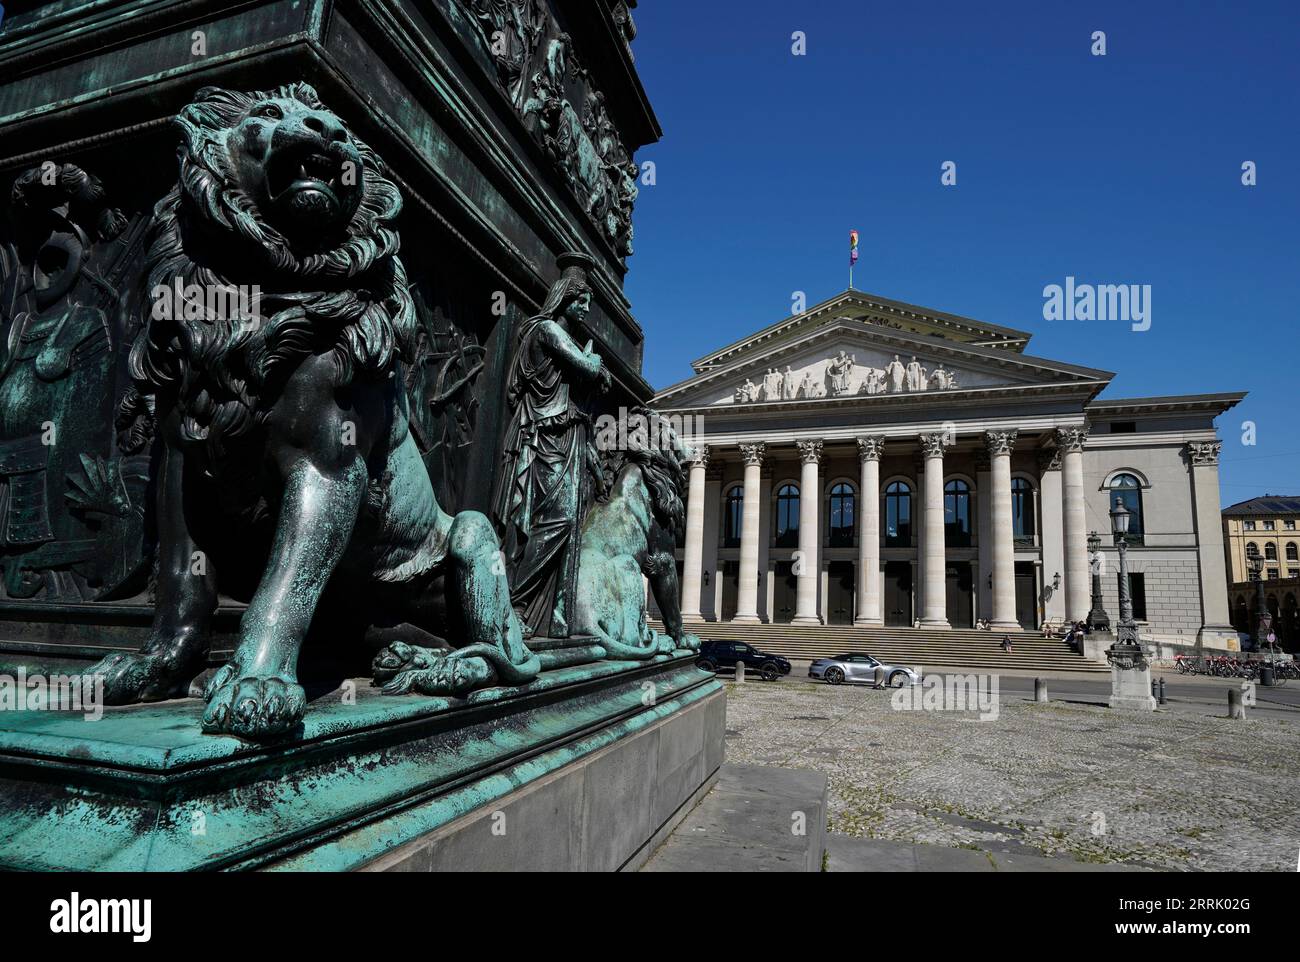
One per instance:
(875, 463)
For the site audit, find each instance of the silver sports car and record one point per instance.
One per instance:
(859, 666)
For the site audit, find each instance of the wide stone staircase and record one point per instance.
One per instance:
(955, 648)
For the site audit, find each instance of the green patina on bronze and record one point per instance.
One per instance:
(142, 789)
(296, 412)
(350, 461)
(631, 533)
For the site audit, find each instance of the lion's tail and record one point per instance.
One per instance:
(619, 650)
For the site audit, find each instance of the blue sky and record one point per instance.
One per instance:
(1122, 169)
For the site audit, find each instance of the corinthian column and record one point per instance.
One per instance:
(935, 572)
(693, 557)
(1216, 630)
(1078, 591)
(807, 567)
(747, 595)
(999, 444)
(869, 609)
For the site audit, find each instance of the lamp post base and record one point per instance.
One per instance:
(1130, 688)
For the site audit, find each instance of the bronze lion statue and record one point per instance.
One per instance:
(285, 429)
(630, 532)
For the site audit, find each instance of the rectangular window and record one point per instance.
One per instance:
(1248, 525)
(1273, 574)
(1290, 525)
(1293, 572)
(1268, 525)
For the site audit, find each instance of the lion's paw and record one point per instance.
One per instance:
(689, 642)
(129, 676)
(401, 669)
(252, 706)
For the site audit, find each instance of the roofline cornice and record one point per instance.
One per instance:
(1004, 336)
(919, 400)
(1218, 403)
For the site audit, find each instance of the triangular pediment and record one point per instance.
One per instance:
(870, 311)
(843, 359)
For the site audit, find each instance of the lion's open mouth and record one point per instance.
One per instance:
(293, 171)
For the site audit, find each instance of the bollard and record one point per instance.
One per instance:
(1235, 708)
(740, 673)
(1161, 697)
(1040, 690)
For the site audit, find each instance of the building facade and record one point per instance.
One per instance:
(1267, 528)
(1267, 531)
(954, 478)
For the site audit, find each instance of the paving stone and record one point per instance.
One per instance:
(1075, 784)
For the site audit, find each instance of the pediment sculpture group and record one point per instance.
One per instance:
(838, 380)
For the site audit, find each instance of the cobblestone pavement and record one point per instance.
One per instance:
(1168, 791)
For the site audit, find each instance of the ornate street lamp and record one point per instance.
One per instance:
(1263, 617)
(1097, 618)
(1126, 653)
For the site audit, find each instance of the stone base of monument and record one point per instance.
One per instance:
(588, 767)
(1094, 644)
(1130, 688)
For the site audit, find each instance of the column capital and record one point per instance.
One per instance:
(1203, 452)
(1070, 440)
(753, 453)
(934, 445)
(1000, 442)
(1049, 459)
(871, 447)
(810, 452)
(697, 456)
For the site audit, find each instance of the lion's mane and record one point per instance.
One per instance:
(663, 470)
(222, 371)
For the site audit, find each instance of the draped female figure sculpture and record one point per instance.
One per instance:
(548, 460)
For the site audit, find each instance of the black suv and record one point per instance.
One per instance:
(725, 654)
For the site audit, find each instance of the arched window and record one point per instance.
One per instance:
(898, 515)
(732, 513)
(1291, 552)
(1022, 509)
(1127, 488)
(956, 514)
(787, 516)
(843, 515)
(1270, 552)
(1252, 550)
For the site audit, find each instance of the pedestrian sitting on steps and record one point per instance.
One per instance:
(1006, 643)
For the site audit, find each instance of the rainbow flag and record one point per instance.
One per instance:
(853, 247)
